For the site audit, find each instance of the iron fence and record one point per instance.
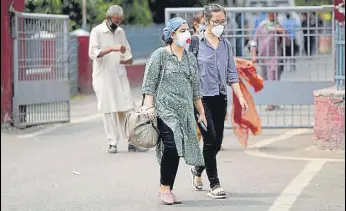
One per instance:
(41, 92)
(293, 64)
(73, 64)
(340, 56)
(143, 39)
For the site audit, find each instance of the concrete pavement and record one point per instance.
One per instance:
(67, 167)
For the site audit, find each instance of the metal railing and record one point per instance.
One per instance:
(41, 93)
(73, 64)
(143, 39)
(297, 62)
(340, 56)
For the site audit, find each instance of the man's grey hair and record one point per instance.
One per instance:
(210, 8)
(114, 10)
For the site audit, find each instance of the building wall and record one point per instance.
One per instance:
(6, 58)
(329, 128)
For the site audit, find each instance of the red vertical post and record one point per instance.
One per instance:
(84, 62)
(6, 58)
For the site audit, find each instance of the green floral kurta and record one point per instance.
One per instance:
(174, 98)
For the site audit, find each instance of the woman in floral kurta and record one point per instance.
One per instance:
(174, 100)
(171, 86)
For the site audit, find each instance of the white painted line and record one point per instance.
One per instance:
(57, 126)
(86, 118)
(84, 106)
(310, 148)
(73, 121)
(314, 148)
(282, 137)
(290, 194)
(258, 153)
(40, 132)
(253, 149)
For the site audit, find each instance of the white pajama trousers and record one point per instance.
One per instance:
(114, 126)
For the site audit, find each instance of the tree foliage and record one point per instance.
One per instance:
(136, 11)
(158, 6)
(44, 6)
(313, 2)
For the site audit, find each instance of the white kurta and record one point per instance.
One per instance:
(110, 80)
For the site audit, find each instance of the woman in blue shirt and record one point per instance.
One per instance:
(216, 70)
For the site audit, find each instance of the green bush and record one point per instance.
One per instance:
(137, 12)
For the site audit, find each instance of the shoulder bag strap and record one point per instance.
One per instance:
(162, 70)
(194, 46)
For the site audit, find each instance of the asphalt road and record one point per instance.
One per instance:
(67, 168)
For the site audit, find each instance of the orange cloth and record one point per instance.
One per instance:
(199, 136)
(243, 124)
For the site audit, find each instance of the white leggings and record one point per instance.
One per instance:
(114, 126)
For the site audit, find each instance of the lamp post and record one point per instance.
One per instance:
(84, 18)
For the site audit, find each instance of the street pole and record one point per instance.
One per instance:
(84, 18)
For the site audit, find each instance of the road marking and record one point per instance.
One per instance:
(85, 119)
(73, 121)
(310, 148)
(258, 153)
(282, 137)
(254, 149)
(314, 148)
(57, 126)
(290, 194)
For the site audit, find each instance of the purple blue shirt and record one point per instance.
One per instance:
(216, 67)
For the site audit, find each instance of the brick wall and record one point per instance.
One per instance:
(329, 129)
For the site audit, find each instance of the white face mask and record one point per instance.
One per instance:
(201, 28)
(270, 25)
(217, 30)
(183, 39)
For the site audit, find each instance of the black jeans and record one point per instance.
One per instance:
(170, 157)
(215, 108)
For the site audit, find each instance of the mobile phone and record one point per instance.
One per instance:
(202, 125)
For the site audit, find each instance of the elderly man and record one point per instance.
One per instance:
(110, 51)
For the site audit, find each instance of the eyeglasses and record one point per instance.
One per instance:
(217, 22)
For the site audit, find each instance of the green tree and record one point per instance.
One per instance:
(313, 2)
(158, 6)
(43, 6)
(136, 12)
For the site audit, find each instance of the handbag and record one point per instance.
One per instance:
(140, 130)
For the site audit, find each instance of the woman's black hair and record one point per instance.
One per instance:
(210, 9)
(197, 18)
(168, 42)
